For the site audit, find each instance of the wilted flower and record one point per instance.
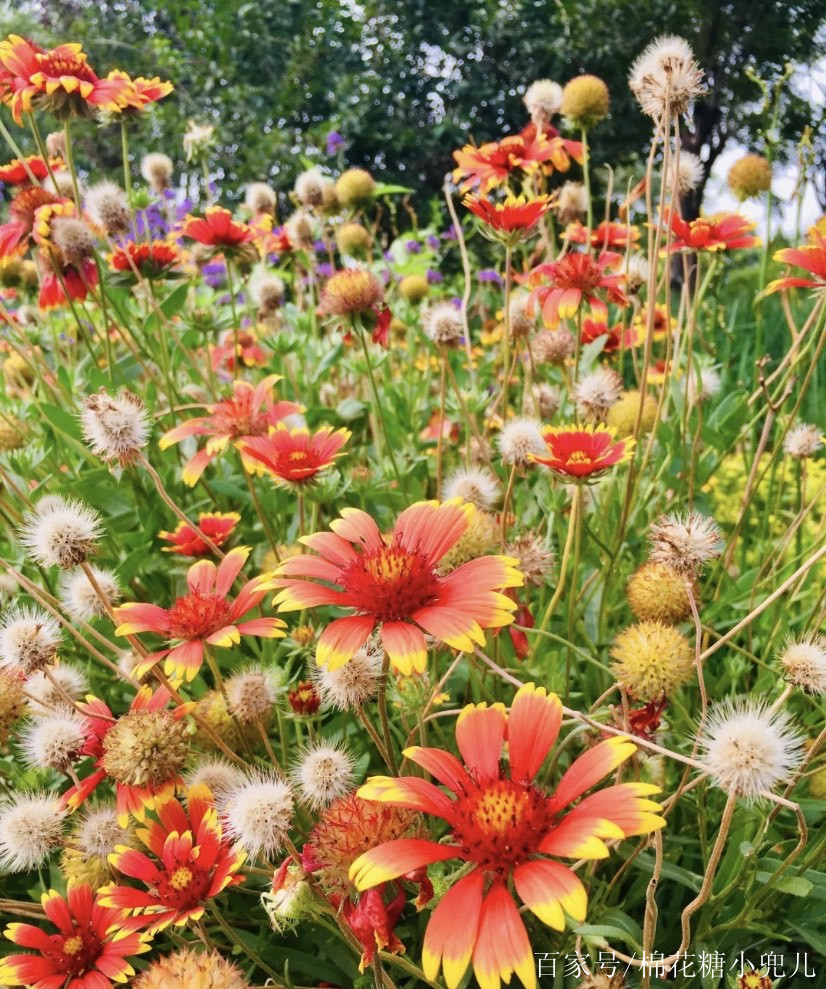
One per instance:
(535, 560)
(595, 393)
(476, 485)
(309, 187)
(260, 198)
(553, 346)
(323, 773)
(748, 748)
(685, 542)
(31, 827)
(48, 692)
(803, 441)
(656, 593)
(198, 139)
(665, 78)
(108, 208)
(251, 694)
(257, 814)
(54, 741)
(29, 640)
(443, 324)
(804, 662)
(116, 427)
(217, 774)
(188, 969)
(61, 534)
(571, 202)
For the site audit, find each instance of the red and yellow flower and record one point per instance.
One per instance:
(15, 234)
(89, 950)
(59, 280)
(583, 451)
(19, 171)
(205, 616)
(140, 92)
(504, 825)
(244, 345)
(249, 412)
(59, 80)
(295, 456)
(617, 336)
(131, 798)
(811, 257)
(603, 236)
(560, 287)
(512, 219)
(191, 862)
(493, 163)
(216, 228)
(186, 540)
(720, 232)
(394, 584)
(154, 259)
(664, 322)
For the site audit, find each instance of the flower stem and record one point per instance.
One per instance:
(379, 413)
(385, 723)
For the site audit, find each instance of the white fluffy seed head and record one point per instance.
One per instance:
(802, 441)
(29, 640)
(636, 273)
(54, 741)
(665, 78)
(572, 202)
(473, 484)
(31, 827)
(324, 773)
(689, 172)
(267, 292)
(443, 324)
(309, 187)
(98, 833)
(518, 439)
(74, 240)
(703, 383)
(520, 321)
(156, 168)
(685, 542)
(260, 198)
(251, 694)
(300, 229)
(80, 599)
(219, 775)
(546, 400)
(60, 183)
(257, 814)
(543, 99)
(116, 427)
(596, 392)
(804, 662)
(352, 685)
(44, 696)
(108, 208)
(750, 749)
(62, 534)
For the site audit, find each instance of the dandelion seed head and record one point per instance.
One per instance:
(518, 439)
(686, 542)
(54, 741)
(350, 686)
(476, 485)
(116, 427)
(62, 534)
(324, 773)
(29, 640)
(804, 662)
(31, 827)
(257, 814)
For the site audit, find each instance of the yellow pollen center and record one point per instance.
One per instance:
(579, 457)
(496, 810)
(72, 945)
(298, 455)
(389, 565)
(180, 878)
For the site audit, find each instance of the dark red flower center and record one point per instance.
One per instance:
(54, 66)
(196, 615)
(500, 824)
(577, 271)
(234, 419)
(27, 201)
(183, 886)
(79, 952)
(391, 583)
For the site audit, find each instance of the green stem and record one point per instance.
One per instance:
(124, 147)
(70, 162)
(385, 723)
(586, 178)
(360, 333)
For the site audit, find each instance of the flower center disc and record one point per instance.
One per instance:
(196, 615)
(183, 887)
(500, 824)
(391, 583)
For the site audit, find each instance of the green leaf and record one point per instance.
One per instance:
(62, 420)
(795, 885)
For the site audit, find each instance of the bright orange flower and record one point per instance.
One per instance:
(493, 163)
(503, 824)
(720, 232)
(205, 615)
(191, 862)
(14, 235)
(132, 798)
(19, 171)
(811, 257)
(395, 585)
(60, 81)
(583, 451)
(617, 336)
(250, 411)
(295, 455)
(604, 236)
(187, 541)
(664, 322)
(89, 950)
(154, 259)
(216, 228)
(561, 286)
(513, 218)
(244, 345)
(140, 92)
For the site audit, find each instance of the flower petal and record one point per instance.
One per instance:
(452, 930)
(342, 639)
(480, 731)
(502, 945)
(405, 645)
(589, 769)
(533, 726)
(396, 858)
(549, 888)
